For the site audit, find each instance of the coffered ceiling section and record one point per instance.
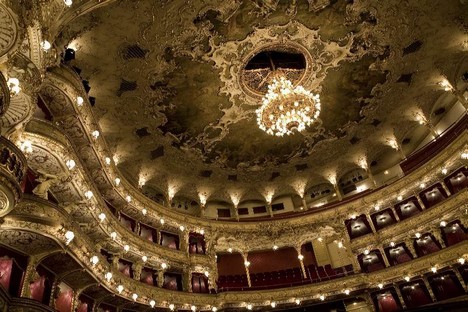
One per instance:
(177, 84)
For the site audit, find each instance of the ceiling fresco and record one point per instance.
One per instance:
(176, 92)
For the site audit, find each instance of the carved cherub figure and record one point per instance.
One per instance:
(46, 181)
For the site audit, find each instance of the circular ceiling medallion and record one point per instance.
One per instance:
(259, 66)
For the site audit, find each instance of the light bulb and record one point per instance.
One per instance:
(380, 285)
(117, 181)
(94, 260)
(126, 248)
(95, 134)
(69, 235)
(144, 258)
(461, 261)
(144, 211)
(128, 198)
(113, 235)
(273, 304)
(247, 263)
(249, 307)
(68, 2)
(182, 228)
(108, 276)
(346, 292)
(171, 307)
(407, 278)
(162, 221)
(443, 224)
(152, 303)
(70, 164)
(193, 308)
(207, 273)
(120, 288)
(298, 302)
(102, 216)
(107, 160)
(434, 269)
(275, 247)
(79, 101)
(214, 309)
(322, 297)
(134, 297)
(88, 194)
(45, 45)
(164, 265)
(444, 171)
(300, 257)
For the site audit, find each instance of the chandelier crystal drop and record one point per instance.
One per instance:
(287, 109)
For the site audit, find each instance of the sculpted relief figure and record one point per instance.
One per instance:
(46, 181)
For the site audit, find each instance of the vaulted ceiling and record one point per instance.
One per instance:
(176, 101)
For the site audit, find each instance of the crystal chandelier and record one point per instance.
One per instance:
(285, 108)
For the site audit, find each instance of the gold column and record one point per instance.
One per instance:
(187, 279)
(384, 257)
(397, 217)
(460, 279)
(410, 246)
(160, 278)
(400, 296)
(420, 202)
(246, 265)
(29, 276)
(429, 288)
(444, 186)
(304, 203)
(270, 210)
(436, 232)
(371, 224)
(301, 262)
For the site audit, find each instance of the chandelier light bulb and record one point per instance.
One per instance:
(287, 109)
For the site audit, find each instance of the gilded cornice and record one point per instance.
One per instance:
(81, 248)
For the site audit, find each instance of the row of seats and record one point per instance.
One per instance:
(282, 278)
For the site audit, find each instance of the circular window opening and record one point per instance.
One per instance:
(258, 70)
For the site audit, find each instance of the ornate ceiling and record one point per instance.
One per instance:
(175, 101)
